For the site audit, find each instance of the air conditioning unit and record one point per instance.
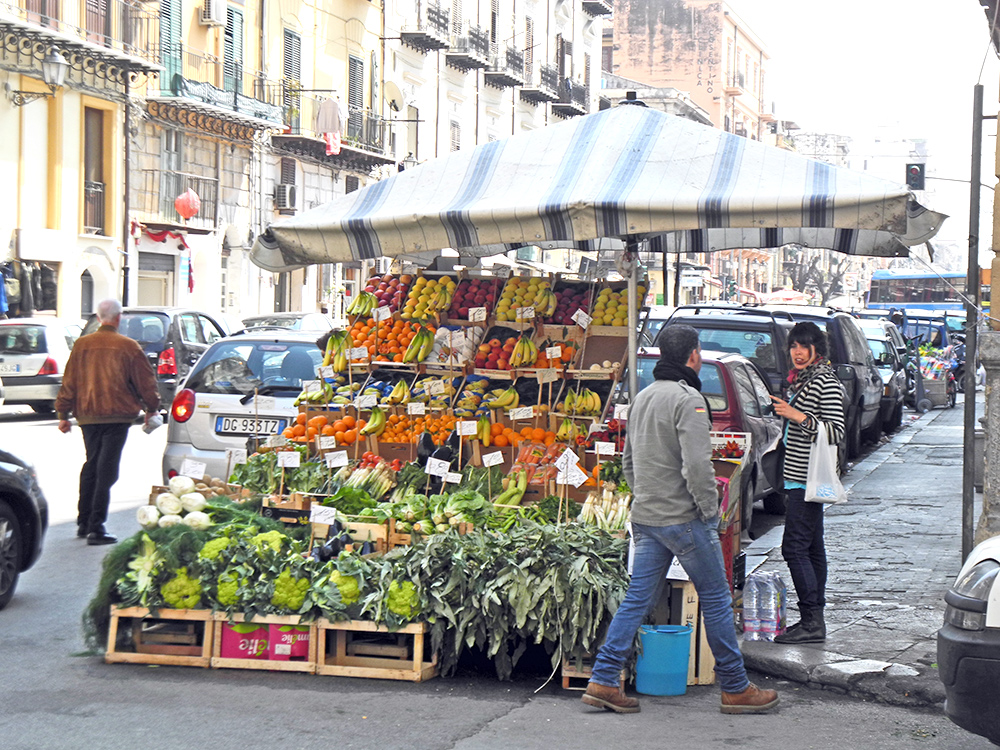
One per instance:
(284, 197)
(213, 13)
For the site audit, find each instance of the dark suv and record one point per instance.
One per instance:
(24, 518)
(172, 337)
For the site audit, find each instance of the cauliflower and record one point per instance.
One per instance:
(272, 539)
(402, 599)
(180, 485)
(213, 548)
(193, 501)
(197, 520)
(147, 516)
(181, 591)
(170, 519)
(228, 588)
(169, 504)
(348, 586)
(289, 592)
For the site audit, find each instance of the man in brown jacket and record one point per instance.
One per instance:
(107, 382)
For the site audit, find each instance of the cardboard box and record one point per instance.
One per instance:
(286, 642)
(244, 640)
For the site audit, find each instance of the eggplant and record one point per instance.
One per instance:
(454, 441)
(443, 453)
(367, 548)
(425, 447)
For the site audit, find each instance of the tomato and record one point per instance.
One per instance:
(367, 456)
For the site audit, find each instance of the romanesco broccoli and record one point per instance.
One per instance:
(289, 592)
(181, 591)
(214, 547)
(402, 598)
(348, 585)
(272, 539)
(228, 588)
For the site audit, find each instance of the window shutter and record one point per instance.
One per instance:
(287, 171)
(350, 183)
(456, 136)
(529, 48)
(456, 17)
(170, 41)
(232, 61)
(292, 56)
(494, 22)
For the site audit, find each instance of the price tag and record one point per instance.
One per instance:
(493, 459)
(527, 312)
(236, 455)
(359, 352)
(275, 441)
(567, 459)
(322, 514)
(416, 408)
(327, 372)
(289, 459)
(327, 441)
(553, 352)
(477, 314)
(582, 319)
(382, 313)
(312, 386)
(621, 411)
(437, 467)
(502, 272)
(366, 402)
(604, 449)
(466, 427)
(436, 388)
(336, 460)
(548, 375)
(264, 402)
(192, 468)
(521, 412)
(574, 476)
(453, 477)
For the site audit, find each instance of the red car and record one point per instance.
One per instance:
(737, 394)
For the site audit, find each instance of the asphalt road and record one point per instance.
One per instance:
(56, 695)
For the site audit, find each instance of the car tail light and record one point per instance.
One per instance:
(166, 364)
(183, 405)
(49, 367)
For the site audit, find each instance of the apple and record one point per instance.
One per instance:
(383, 286)
(503, 364)
(484, 349)
(463, 312)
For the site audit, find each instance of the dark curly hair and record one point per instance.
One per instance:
(807, 333)
(676, 342)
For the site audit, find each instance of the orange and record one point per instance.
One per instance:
(300, 418)
(526, 432)
(349, 421)
(288, 432)
(361, 424)
(339, 426)
(311, 432)
(341, 436)
(538, 434)
(500, 441)
(508, 431)
(350, 436)
(327, 430)
(299, 430)
(549, 439)
(496, 429)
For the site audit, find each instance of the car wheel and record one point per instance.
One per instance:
(874, 430)
(854, 435)
(10, 553)
(775, 503)
(43, 407)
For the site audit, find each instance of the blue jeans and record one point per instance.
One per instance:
(803, 549)
(696, 545)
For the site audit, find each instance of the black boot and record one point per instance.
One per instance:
(810, 629)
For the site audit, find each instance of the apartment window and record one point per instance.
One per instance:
(529, 48)
(171, 165)
(355, 96)
(456, 136)
(93, 171)
(232, 61)
(413, 115)
(494, 23)
(170, 42)
(288, 169)
(292, 75)
(351, 184)
(456, 16)
(586, 72)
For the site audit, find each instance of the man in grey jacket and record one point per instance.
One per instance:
(675, 512)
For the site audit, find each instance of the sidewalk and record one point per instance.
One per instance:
(893, 551)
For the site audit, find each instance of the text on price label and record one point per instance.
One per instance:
(453, 477)
(466, 427)
(553, 352)
(275, 441)
(477, 314)
(437, 467)
(366, 402)
(236, 455)
(312, 386)
(264, 402)
(359, 352)
(289, 459)
(548, 375)
(492, 459)
(582, 319)
(327, 441)
(502, 272)
(436, 388)
(521, 412)
(574, 476)
(382, 313)
(334, 460)
(524, 313)
(567, 459)
(415, 408)
(322, 514)
(621, 411)
(192, 468)
(604, 449)
(327, 372)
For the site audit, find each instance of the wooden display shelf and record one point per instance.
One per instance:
(365, 649)
(359, 530)
(171, 637)
(398, 539)
(576, 673)
(274, 665)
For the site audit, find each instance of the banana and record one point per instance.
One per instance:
(412, 349)
(505, 400)
(483, 430)
(567, 430)
(428, 344)
(376, 424)
(569, 403)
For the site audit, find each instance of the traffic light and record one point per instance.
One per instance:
(915, 176)
(732, 288)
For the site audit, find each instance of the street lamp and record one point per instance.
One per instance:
(54, 69)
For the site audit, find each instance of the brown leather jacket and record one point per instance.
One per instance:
(107, 380)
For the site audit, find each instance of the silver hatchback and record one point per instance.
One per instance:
(33, 354)
(243, 386)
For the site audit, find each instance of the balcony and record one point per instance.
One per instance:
(544, 88)
(218, 96)
(507, 70)
(100, 38)
(735, 85)
(431, 32)
(93, 208)
(470, 51)
(597, 7)
(573, 100)
(364, 136)
(154, 192)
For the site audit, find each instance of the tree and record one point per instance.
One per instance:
(806, 275)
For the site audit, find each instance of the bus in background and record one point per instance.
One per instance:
(905, 289)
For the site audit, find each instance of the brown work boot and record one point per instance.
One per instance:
(753, 700)
(611, 698)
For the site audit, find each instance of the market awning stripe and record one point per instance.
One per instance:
(456, 218)
(357, 225)
(821, 182)
(571, 169)
(714, 201)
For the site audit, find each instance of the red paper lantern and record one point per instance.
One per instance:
(187, 204)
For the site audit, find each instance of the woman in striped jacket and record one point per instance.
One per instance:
(815, 401)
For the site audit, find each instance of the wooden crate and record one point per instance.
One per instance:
(359, 530)
(575, 676)
(358, 648)
(291, 509)
(176, 637)
(685, 610)
(220, 662)
(397, 539)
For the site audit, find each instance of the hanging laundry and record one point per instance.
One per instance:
(49, 288)
(329, 123)
(27, 291)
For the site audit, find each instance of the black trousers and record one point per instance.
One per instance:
(104, 443)
(803, 549)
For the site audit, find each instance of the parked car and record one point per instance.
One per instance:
(296, 321)
(884, 341)
(33, 354)
(968, 644)
(215, 409)
(740, 400)
(24, 519)
(172, 337)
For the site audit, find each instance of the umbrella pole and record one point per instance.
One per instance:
(633, 319)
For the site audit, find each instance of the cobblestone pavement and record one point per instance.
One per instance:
(893, 550)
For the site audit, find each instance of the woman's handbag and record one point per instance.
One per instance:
(822, 481)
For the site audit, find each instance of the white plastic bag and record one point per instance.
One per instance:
(822, 482)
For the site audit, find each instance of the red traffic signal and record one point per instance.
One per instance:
(915, 176)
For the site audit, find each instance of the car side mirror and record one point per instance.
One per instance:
(844, 372)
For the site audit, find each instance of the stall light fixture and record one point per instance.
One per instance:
(54, 69)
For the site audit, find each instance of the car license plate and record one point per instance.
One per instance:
(7, 369)
(249, 425)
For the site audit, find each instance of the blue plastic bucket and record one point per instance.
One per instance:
(662, 668)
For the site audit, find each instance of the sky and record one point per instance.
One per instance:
(896, 68)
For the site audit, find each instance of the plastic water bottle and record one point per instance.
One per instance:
(769, 607)
(751, 608)
(782, 589)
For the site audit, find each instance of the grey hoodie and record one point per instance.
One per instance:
(668, 456)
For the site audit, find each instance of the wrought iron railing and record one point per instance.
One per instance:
(510, 61)
(360, 128)
(155, 191)
(435, 19)
(475, 41)
(93, 208)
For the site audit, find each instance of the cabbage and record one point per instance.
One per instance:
(193, 501)
(197, 520)
(171, 519)
(181, 485)
(148, 516)
(169, 504)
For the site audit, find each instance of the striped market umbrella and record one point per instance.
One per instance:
(624, 173)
